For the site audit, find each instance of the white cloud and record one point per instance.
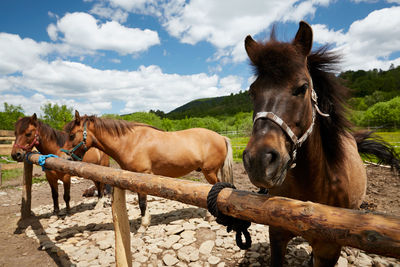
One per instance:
(223, 23)
(142, 89)
(82, 30)
(369, 42)
(17, 53)
(110, 13)
(33, 103)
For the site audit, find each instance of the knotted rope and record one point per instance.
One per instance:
(42, 159)
(238, 225)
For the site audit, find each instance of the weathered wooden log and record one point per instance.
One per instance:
(375, 233)
(123, 255)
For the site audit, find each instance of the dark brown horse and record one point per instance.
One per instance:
(300, 145)
(142, 148)
(31, 132)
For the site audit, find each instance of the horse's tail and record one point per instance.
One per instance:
(227, 167)
(370, 144)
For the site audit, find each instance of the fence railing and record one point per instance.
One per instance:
(375, 233)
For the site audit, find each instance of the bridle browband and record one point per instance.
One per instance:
(297, 142)
(29, 147)
(70, 152)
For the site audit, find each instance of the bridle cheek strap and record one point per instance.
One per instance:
(297, 142)
(82, 143)
(29, 147)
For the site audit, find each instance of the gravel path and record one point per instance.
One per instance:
(178, 235)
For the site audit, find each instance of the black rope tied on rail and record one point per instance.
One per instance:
(238, 225)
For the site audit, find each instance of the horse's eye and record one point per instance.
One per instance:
(28, 134)
(72, 137)
(301, 90)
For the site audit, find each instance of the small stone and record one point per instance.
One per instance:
(206, 247)
(219, 242)
(170, 260)
(170, 241)
(177, 246)
(213, 260)
(188, 234)
(342, 262)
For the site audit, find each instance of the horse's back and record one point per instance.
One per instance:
(177, 153)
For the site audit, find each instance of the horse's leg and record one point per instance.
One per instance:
(54, 191)
(278, 239)
(325, 254)
(211, 176)
(143, 211)
(100, 189)
(67, 191)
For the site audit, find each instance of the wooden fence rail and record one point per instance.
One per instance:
(374, 233)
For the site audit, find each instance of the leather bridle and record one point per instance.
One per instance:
(70, 152)
(297, 142)
(29, 147)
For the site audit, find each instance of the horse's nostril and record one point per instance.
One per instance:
(246, 158)
(271, 157)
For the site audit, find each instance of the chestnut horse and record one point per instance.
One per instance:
(142, 148)
(300, 145)
(31, 132)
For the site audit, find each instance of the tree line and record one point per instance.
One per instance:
(58, 115)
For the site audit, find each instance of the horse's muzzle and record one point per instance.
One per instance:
(266, 168)
(18, 155)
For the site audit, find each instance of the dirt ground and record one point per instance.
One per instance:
(16, 249)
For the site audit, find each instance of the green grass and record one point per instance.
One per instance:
(239, 144)
(8, 175)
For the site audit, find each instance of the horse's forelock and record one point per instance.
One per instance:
(276, 61)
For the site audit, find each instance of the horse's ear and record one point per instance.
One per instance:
(252, 48)
(77, 117)
(304, 38)
(34, 117)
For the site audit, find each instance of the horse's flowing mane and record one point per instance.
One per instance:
(331, 99)
(112, 126)
(46, 130)
(276, 61)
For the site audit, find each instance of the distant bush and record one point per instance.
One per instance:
(383, 114)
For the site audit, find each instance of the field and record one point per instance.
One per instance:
(239, 143)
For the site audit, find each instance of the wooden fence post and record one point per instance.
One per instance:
(26, 190)
(123, 255)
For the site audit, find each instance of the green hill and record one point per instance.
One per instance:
(214, 107)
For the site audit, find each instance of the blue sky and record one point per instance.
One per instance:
(122, 56)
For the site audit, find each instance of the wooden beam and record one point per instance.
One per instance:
(26, 190)
(123, 255)
(374, 233)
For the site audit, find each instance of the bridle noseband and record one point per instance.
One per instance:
(29, 147)
(70, 152)
(297, 142)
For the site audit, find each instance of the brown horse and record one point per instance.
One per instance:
(300, 145)
(142, 148)
(31, 132)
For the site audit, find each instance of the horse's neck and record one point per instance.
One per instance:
(312, 164)
(114, 146)
(46, 145)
